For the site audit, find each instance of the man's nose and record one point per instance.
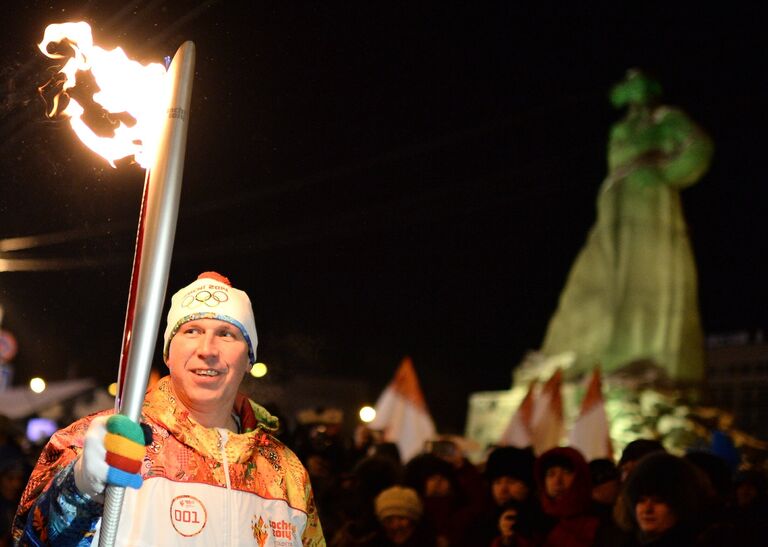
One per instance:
(208, 346)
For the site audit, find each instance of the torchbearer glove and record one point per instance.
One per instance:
(113, 451)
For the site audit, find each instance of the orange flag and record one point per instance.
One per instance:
(518, 432)
(547, 421)
(402, 414)
(591, 433)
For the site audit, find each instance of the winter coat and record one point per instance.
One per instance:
(205, 485)
(572, 524)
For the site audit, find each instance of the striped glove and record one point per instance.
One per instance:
(114, 449)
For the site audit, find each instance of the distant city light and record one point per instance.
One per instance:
(367, 414)
(259, 370)
(37, 385)
(112, 389)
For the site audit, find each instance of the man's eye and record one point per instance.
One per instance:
(192, 330)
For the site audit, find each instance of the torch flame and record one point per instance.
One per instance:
(126, 87)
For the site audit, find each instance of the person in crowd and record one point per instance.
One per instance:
(606, 486)
(355, 511)
(447, 508)
(748, 508)
(319, 444)
(511, 514)
(453, 450)
(714, 474)
(634, 451)
(509, 471)
(386, 449)
(663, 495)
(750, 491)
(399, 511)
(13, 475)
(565, 493)
(203, 469)
(509, 474)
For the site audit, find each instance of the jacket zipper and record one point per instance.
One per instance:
(223, 436)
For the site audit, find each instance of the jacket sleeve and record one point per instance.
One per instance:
(312, 536)
(61, 515)
(51, 507)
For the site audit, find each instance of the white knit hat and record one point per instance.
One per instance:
(211, 296)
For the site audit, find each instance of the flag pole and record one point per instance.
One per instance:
(152, 259)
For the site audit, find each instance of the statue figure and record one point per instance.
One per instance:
(631, 294)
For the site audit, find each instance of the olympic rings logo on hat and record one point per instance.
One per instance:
(210, 299)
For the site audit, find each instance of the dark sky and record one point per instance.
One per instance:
(383, 178)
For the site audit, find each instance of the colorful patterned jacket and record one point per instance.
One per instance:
(202, 486)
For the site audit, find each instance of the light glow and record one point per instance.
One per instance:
(37, 385)
(367, 414)
(259, 370)
(125, 87)
(112, 389)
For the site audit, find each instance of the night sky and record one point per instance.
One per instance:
(383, 178)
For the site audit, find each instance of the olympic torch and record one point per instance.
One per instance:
(157, 139)
(152, 260)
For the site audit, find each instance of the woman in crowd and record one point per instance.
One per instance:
(399, 511)
(663, 497)
(565, 493)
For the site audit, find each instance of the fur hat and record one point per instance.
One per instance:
(603, 470)
(669, 478)
(639, 448)
(211, 296)
(508, 461)
(420, 468)
(398, 501)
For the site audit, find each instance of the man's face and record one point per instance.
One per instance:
(557, 481)
(437, 486)
(398, 529)
(654, 516)
(207, 360)
(507, 488)
(607, 492)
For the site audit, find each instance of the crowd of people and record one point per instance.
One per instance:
(209, 466)
(558, 499)
(366, 496)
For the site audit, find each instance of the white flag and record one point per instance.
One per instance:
(591, 433)
(402, 414)
(518, 431)
(547, 422)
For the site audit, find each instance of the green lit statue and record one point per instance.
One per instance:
(632, 292)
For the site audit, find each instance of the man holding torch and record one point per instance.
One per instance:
(203, 467)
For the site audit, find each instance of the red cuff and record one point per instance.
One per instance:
(121, 462)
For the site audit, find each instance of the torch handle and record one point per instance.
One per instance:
(131, 308)
(157, 229)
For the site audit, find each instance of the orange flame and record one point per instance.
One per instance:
(126, 86)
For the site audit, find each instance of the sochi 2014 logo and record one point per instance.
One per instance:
(282, 531)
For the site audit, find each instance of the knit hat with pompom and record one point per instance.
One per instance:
(211, 296)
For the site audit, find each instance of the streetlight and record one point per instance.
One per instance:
(37, 385)
(367, 414)
(259, 370)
